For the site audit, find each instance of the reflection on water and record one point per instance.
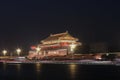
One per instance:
(57, 72)
(73, 69)
(18, 66)
(38, 67)
(38, 70)
(4, 67)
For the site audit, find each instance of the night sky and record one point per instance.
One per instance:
(25, 22)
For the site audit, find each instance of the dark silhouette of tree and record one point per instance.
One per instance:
(109, 56)
(84, 49)
(98, 48)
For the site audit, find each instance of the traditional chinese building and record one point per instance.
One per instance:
(60, 44)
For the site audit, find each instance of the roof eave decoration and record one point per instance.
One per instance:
(59, 36)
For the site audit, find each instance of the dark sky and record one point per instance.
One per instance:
(25, 22)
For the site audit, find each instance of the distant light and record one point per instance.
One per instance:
(4, 52)
(38, 49)
(107, 54)
(72, 47)
(18, 51)
(33, 47)
(100, 58)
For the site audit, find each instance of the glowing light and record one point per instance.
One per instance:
(38, 52)
(38, 49)
(33, 47)
(18, 51)
(72, 47)
(107, 54)
(4, 52)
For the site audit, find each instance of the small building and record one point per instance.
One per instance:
(60, 44)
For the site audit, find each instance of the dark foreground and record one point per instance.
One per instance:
(58, 72)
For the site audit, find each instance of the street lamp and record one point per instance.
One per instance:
(4, 52)
(37, 51)
(18, 51)
(72, 48)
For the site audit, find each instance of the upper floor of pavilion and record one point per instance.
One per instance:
(59, 38)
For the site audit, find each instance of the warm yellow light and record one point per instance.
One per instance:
(73, 69)
(72, 47)
(4, 52)
(18, 51)
(38, 49)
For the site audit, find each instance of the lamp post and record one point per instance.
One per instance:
(18, 51)
(4, 52)
(38, 50)
(72, 48)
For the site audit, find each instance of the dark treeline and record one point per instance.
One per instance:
(97, 48)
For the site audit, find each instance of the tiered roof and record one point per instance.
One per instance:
(60, 36)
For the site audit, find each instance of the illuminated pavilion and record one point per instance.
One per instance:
(60, 44)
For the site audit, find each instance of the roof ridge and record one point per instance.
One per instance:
(59, 34)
